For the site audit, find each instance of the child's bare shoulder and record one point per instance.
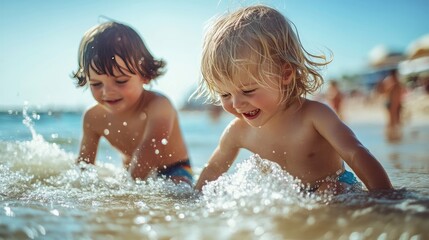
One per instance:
(94, 112)
(155, 99)
(156, 104)
(94, 118)
(313, 108)
(236, 130)
(238, 125)
(317, 112)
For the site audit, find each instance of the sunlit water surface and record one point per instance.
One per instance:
(43, 195)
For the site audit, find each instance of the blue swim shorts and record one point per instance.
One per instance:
(347, 177)
(181, 169)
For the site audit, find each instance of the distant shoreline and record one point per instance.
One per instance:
(16, 111)
(416, 110)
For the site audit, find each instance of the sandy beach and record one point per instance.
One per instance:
(360, 109)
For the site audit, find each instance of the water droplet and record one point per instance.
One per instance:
(142, 116)
(9, 212)
(311, 220)
(156, 151)
(140, 220)
(36, 116)
(55, 212)
(274, 151)
(231, 222)
(259, 231)
(153, 139)
(164, 141)
(125, 123)
(110, 124)
(106, 132)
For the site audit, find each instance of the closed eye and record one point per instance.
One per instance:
(121, 81)
(96, 84)
(225, 95)
(248, 91)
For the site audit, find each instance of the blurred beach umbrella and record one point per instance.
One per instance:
(419, 48)
(380, 57)
(417, 57)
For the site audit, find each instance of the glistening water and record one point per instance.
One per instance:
(43, 195)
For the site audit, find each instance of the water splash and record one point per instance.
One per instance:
(257, 185)
(36, 158)
(42, 189)
(29, 123)
(37, 170)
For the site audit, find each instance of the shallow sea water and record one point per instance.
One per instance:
(43, 195)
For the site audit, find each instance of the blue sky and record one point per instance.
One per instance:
(39, 39)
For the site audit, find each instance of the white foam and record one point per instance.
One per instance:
(257, 185)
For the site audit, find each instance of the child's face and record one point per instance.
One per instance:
(250, 101)
(117, 93)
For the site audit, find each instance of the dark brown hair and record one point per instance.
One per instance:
(102, 43)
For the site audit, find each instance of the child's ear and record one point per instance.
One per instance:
(288, 74)
(144, 80)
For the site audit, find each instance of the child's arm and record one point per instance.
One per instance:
(89, 142)
(151, 152)
(221, 159)
(363, 163)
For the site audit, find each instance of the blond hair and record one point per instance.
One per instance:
(261, 39)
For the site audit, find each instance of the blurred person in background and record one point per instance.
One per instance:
(334, 97)
(393, 90)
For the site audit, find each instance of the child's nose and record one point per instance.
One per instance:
(237, 102)
(107, 90)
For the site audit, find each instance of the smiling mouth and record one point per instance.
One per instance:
(252, 114)
(111, 102)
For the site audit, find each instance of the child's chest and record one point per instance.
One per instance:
(125, 135)
(290, 145)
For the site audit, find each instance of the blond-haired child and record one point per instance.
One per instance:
(255, 65)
